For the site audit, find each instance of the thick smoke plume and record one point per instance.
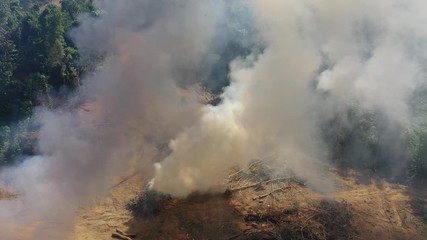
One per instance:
(320, 59)
(135, 109)
(304, 62)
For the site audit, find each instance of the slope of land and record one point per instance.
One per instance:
(109, 212)
(256, 206)
(259, 202)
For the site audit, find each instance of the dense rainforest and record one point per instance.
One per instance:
(37, 59)
(39, 63)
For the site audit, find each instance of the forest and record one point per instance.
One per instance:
(38, 63)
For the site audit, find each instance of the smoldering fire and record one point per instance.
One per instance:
(303, 61)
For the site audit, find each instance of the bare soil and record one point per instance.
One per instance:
(272, 209)
(368, 209)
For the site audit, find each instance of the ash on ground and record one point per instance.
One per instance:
(148, 203)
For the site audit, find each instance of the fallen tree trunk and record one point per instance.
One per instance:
(268, 194)
(131, 235)
(258, 184)
(119, 236)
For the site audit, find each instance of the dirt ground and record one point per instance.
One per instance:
(263, 208)
(108, 213)
(258, 207)
(5, 195)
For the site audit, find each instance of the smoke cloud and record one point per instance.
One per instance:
(317, 59)
(135, 109)
(320, 59)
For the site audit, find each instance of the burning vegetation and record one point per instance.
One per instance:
(262, 201)
(245, 119)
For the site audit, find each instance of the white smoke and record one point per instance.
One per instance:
(318, 58)
(269, 105)
(371, 51)
(136, 107)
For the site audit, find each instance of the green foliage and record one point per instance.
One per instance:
(370, 140)
(363, 139)
(35, 58)
(7, 146)
(418, 144)
(9, 16)
(35, 55)
(71, 7)
(417, 133)
(352, 139)
(10, 137)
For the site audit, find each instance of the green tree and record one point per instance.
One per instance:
(72, 8)
(36, 57)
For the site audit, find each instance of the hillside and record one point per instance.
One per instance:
(213, 119)
(367, 208)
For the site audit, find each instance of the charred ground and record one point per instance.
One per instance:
(256, 206)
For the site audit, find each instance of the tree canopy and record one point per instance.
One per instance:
(36, 58)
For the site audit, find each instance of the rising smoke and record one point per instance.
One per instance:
(318, 58)
(146, 45)
(321, 58)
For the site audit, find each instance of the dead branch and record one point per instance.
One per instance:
(236, 172)
(244, 187)
(235, 236)
(275, 180)
(256, 184)
(271, 192)
(119, 236)
(123, 180)
(126, 234)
